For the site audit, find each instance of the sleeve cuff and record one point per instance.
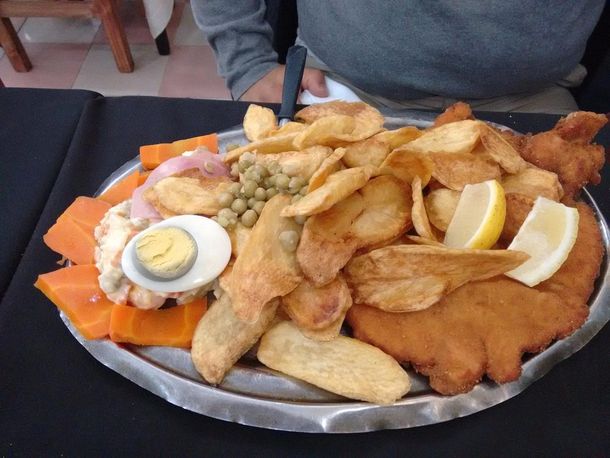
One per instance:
(250, 77)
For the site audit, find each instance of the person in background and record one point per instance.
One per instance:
(515, 55)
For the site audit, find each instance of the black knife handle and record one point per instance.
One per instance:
(295, 64)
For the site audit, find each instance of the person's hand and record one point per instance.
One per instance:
(269, 88)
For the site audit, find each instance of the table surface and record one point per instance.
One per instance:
(55, 398)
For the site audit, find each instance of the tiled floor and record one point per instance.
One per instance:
(73, 53)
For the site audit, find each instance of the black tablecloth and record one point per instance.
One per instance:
(36, 127)
(55, 398)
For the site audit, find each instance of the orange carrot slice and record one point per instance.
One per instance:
(143, 177)
(86, 211)
(153, 155)
(172, 327)
(122, 190)
(72, 234)
(75, 291)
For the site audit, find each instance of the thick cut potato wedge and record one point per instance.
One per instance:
(379, 212)
(259, 122)
(343, 366)
(221, 338)
(318, 307)
(455, 137)
(337, 187)
(407, 278)
(264, 269)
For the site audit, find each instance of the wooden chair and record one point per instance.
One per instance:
(105, 10)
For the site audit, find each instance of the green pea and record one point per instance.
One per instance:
(224, 222)
(249, 218)
(296, 198)
(300, 219)
(261, 170)
(271, 192)
(289, 240)
(239, 206)
(282, 181)
(296, 183)
(260, 194)
(274, 168)
(235, 188)
(272, 180)
(253, 175)
(267, 182)
(258, 206)
(242, 166)
(227, 214)
(225, 199)
(251, 202)
(235, 170)
(247, 159)
(250, 188)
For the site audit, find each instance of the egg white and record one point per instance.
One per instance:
(213, 254)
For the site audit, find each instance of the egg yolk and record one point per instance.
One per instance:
(167, 252)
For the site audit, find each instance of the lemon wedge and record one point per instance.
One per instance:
(547, 235)
(479, 216)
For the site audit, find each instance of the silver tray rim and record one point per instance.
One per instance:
(349, 416)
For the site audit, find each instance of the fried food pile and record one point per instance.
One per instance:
(335, 219)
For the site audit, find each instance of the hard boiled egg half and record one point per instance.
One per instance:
(177, 254)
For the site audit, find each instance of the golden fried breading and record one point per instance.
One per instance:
(456, 112)
(485, 327)
(566, 150)
(517, 208)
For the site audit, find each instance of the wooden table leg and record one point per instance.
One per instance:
(107, 11)
(12, 46)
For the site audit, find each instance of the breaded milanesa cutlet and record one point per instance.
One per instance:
(485, 327)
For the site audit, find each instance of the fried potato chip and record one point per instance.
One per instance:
(518, 207)
(363, 114)
(440, 206)
(337, 187)
(316, 308)
(327, 242)
(387, 211)
(456, 170)
(371, 151)
(398, 137)
(151, 197)
(534, 182)
(264, 269)
(343, 366)
(406, 278)
(259, 122)
(239, 235)
(221, 338)
(191, 196)
(298, 163)
(224, 279)
(500, 150)
(418, 213)
(379, 212)
(329, 166)
(406, 165)
(455, 137)
(423, 241)
(330, 131)
(288, 128)
(268, 145)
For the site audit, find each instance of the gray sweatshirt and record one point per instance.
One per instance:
(407, 49)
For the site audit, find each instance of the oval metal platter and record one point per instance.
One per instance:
(254, 395)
